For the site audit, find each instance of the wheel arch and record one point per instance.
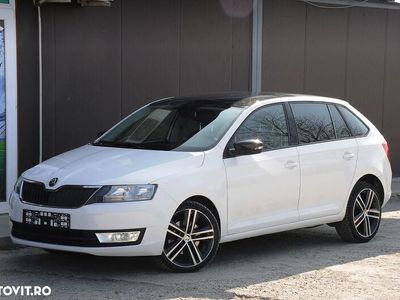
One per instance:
(207, 203)
(376, 182)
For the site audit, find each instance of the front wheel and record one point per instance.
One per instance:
(192, 238)
(363, 214)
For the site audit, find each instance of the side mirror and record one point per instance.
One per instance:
(247, 147)
(101, 133)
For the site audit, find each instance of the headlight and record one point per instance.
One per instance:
(18, 185)
(123, 193)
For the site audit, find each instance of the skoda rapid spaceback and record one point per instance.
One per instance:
(181, 175)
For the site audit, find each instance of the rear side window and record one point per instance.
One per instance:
(267, 124)
(313, 122)
(356, 126)
(341, 129)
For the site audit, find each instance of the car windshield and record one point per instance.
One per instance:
(192, 125)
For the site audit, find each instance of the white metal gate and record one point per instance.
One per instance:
(8, 102)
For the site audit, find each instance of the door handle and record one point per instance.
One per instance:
(291, 164)
(348, 155)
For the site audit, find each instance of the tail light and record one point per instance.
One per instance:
(386, 149)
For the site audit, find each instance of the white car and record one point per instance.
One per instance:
(181, 175)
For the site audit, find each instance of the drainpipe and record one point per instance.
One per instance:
(40, 87)
(256, 72)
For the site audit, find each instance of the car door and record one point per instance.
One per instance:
(263, 188)
(328, 156)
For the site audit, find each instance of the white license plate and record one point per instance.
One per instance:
(46, 219)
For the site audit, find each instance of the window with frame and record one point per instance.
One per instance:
(267, 124)
(313, 122)
(356, 126)
(341, 129)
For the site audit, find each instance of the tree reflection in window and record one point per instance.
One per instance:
(313, 122)
(267, 124)
(357, 127)
(340, 126)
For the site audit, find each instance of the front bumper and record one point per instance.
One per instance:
(150, 217)
(67, 237)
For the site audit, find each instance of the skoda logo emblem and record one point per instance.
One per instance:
(53, 182)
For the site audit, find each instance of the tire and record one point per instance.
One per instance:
(192, 239)
(363, 214)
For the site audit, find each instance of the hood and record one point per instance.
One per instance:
(94, 165)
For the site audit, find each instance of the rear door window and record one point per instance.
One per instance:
(341, 129)
(357, 127)
(313, 122)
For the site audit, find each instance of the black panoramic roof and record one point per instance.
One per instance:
(230, 99)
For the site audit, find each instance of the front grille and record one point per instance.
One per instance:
(66, 237)
(64, 197)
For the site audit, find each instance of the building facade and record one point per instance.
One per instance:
(81, 69)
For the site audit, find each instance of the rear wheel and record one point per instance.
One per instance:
(363, 214)
(192, 238)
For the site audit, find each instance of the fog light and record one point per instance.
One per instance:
(118, 237)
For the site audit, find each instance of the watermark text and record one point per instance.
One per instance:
(24, 290)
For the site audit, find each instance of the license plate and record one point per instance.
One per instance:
(46, 219)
